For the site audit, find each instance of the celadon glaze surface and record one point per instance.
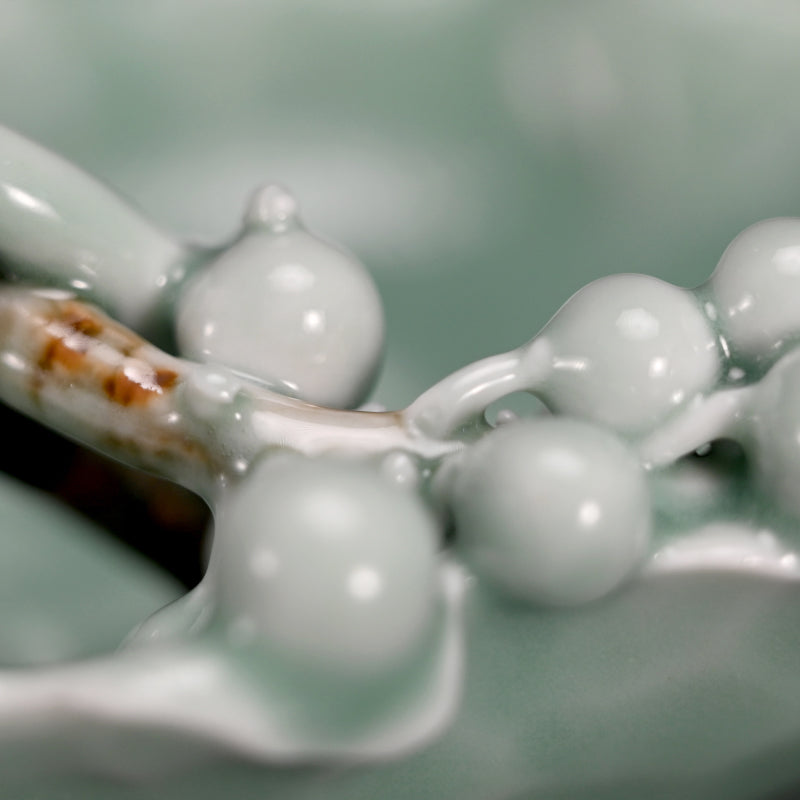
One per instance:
(485, 161)
(598, 600)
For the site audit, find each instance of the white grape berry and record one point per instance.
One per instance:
(286, 307)
(552, 511)
(755, 290)
(328, 561)
(628, 350)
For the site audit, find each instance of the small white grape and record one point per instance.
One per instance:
(286, 307)
(553, 511)
(756, 291)
(328, 561)
(628, 350)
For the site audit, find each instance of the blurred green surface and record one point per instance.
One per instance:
(67, 591)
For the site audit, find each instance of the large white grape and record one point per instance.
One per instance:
(628, 350)
(284, 306)
(327, 560)
(756, 291)
(552, 511)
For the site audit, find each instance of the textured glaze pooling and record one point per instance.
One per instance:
(76, 369)
(388, 585)
(69, 364)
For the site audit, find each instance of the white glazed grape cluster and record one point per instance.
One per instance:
(331, 546)
(637, 373)
(328, 544)
(336, 559)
